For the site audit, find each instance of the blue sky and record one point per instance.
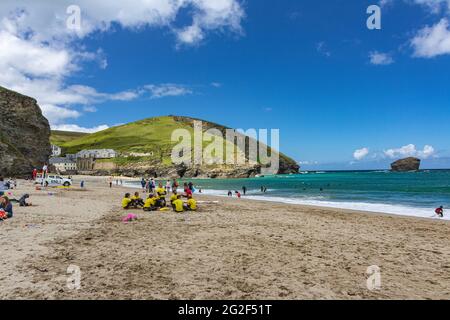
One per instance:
(343, 96)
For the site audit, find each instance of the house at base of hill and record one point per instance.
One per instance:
(86, 159)
(63, 165)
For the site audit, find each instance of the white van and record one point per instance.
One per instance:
(54, 180)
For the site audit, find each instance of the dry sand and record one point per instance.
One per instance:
(235, 249)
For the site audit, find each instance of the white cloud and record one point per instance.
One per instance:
(167, 90)
(322, 49)
(432, 41)
(410, 150)
(57, 114)
(360, 153)
(38, 52)
(190, 35)
(48, 17)
(89, 109)
(76, 128)
(379, 58)
(436, 6)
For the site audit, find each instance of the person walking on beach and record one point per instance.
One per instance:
(440, 212)
(168, 185)
(143, 185)
(152, 185)
(175, 185)
(44, 171)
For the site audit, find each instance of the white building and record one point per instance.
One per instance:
(63, 164)
(56, 151)
(97, 154)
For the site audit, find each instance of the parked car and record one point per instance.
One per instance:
(54, 180)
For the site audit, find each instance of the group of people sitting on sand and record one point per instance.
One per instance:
(157, 200)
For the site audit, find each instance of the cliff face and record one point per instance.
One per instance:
(404, 165)
(24, 134)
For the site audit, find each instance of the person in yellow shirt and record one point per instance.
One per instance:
(191, 204)
(126, 201)
(160, 191)
(137, 200)
(161, 195)
(178, 205)
(150, 203)
(173, 197)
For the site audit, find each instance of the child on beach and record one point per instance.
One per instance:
(150, 203)
(173, 197)
(177, 205)
(137, 200)
(187, 191)
(126, 201)
(143, 183)
(161, 195)
(174, 185)
(23, 201)
(440, 212)
(191, 204)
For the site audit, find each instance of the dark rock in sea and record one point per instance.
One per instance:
(404, 165)
(24, 135)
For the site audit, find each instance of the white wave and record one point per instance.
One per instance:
(358, 206)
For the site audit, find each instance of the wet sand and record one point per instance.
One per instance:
(233, 249)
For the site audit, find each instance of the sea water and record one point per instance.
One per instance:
(404, 193)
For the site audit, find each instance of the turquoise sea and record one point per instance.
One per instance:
(409, 193)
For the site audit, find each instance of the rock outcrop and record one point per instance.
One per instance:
(404, 165)
(24, 134)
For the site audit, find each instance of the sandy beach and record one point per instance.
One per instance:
(230, 249)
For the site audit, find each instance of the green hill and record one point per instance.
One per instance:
(146, 142)
(61, 137)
